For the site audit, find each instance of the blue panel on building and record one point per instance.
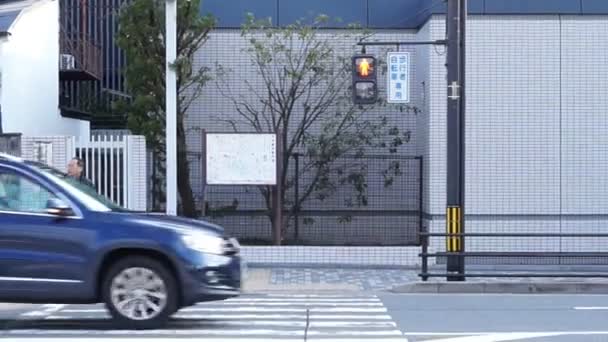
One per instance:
(394, 13)
(595, 6)
(348, 11)
(384, 13)
(439, 7)
(7, 19)
(231, 13)
(476, 6)
(533, 6)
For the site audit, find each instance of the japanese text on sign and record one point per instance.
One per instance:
(398, 87)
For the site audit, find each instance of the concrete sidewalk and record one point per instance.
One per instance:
(307, 279)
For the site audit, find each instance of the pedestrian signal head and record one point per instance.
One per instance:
(365, 66)
(365, 89)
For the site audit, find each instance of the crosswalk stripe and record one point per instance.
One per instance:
(302, 304)
(276, 323)
(319, 317)
(207, 339)
(294, 300)
(196, 339)
(313, 309)
(238, 316)
(297, 295)
(253, 309)
(210, 332)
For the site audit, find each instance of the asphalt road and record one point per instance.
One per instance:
(502, 317)
(335, 317)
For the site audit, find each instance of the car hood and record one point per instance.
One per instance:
(180, 224)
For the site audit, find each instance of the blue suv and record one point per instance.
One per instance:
(61, 242)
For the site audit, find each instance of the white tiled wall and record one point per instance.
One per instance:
(584, 119)
(512, 116)
(536, 140)
(298, 255)
(62, 149)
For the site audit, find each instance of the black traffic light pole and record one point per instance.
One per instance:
(456, 22)
(456, 25)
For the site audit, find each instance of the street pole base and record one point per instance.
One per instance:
(455, 277)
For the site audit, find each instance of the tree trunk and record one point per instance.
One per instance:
(183, 173)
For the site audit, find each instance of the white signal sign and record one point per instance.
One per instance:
(398, 88)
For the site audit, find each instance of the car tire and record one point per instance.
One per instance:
(140, 293)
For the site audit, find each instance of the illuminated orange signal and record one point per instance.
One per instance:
(364, 68)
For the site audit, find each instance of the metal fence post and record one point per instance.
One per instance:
(420, 193)
(277, 192)
(424, 239)
(425, 250)
(297, 196)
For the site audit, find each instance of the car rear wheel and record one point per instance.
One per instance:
(140, 293)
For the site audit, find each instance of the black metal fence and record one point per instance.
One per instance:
(371, 200)
(530, 256)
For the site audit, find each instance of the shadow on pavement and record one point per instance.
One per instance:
(102, 324)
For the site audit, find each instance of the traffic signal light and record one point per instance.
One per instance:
(365, 88)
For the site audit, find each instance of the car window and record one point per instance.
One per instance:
(20, 194)
(86, 194)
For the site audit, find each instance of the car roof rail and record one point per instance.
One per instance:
(10, 157)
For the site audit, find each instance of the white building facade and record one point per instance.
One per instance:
(29, 64)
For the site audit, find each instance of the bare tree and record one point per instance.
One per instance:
(304, 93)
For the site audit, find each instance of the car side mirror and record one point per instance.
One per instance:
(57, 207)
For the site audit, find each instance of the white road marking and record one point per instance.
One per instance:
(53, 307)
(473, 333)
(298, 300)
(241, 316)
(310, 296)
(591, 308)
(189, 339)
(273, 323)
(499, 336)
(262, 309)
(34, 314)
(208, 332)
(48, 309)
(496, 337)
(302, 304)
(332, 318)
(253, 309)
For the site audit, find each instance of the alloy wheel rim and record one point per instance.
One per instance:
(138, 293)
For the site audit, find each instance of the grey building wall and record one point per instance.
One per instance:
(536, 122)
(535, 132)
(213, 109)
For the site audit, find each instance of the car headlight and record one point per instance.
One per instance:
(204, 243)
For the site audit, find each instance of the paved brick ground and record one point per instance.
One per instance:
(362, 279)
(366, 279)
(326, 279)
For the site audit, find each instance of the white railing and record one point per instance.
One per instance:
(117, 167)
(116, 164)
(105, 164)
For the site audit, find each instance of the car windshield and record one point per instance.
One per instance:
(85, 193)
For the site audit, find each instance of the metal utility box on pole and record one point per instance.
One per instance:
(171, 103)
(456, 23)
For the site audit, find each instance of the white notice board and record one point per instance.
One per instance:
(398, 75)
(241, 159)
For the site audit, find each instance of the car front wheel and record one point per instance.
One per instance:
(140, 293)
